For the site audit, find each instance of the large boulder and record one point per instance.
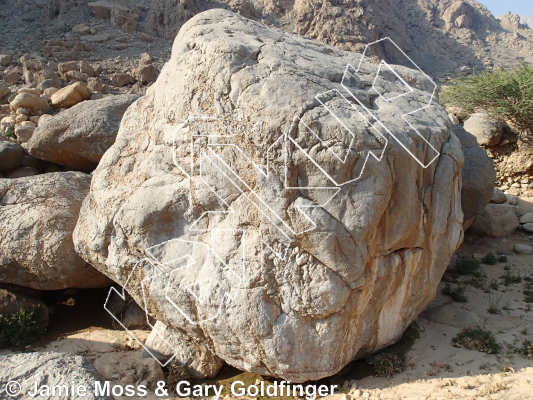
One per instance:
(37, 217)
(49, 369)
(78, 137)
(478, 177)
(487, 130)
(243, 261)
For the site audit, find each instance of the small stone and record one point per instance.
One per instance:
(504, 142)
(28, 123)
(30, 101)
(21, 117)
(12, 77)
(6, 123)
(87, 68)
(24, 133)
(498, 197)
(36, 92)
(511, 198)
(5, 59)
(528, 227)
(4, 91)
(146, 38)
(487, 130)
(120, 79)
(67, 66)
(76, 76)
(70, 95)
(145, 73)
(81, 29)
(50, 92)
(522, 249)
(95, 84)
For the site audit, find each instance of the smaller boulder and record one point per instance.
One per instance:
(488, 131)
(145, 73)
(11, 155)
(24, 133)
(120, 79)
(30, 101)
(528, 227)
(70, 95)
(522, 249)
(495, 221)
(527, 218)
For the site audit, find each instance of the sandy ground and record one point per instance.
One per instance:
(435, 368)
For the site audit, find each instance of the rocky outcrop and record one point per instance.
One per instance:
(10, 155)
(342, 282)
(37, 217)
(78, 137)
(50, 369)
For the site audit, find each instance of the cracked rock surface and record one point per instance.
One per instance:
(341, 283)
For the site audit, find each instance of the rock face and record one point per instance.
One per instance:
(268, 287)
(478, 177)
(487, 130)
(78, 137)
(50, 369)
(37, 217)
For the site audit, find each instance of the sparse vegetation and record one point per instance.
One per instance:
(457, 293)
(467, 266)
(21, 328)
(477, 339)
(527, 349)
(509, 278)
(504, 94)
(489, 259)
(528, 292)
(387, 363)
(10, 132)
(175, 374)
(502, 258)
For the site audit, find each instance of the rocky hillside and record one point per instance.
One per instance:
(441, 36)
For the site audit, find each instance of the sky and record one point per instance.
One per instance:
(500, 7)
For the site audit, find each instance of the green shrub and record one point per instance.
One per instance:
(21, 328)
(467, 266)
(528, 292)
(387, 364)
(502, 258)
(503, 94)
(477, 339)
(489, 259)
(527, 349)
(457, 293)
(10, 132)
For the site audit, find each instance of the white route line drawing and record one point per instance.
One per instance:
(411, 90)
(205, 148)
